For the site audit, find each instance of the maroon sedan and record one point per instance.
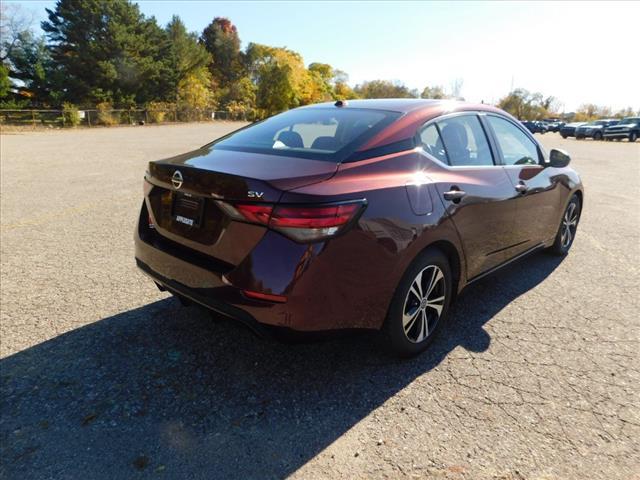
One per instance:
(369, 214)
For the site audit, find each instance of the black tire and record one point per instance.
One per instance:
(633, 136)
(412, 341)
(563, 135)
(597, 136)
(571, 214)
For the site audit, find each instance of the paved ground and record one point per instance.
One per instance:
(104, 377)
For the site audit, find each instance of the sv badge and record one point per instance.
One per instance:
(252, 194)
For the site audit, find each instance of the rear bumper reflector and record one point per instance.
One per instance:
(265, 296)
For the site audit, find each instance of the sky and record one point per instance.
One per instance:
(577, 52)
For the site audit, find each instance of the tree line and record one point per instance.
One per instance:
(108, 54)
(526, 105)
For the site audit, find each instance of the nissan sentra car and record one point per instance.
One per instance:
(372, 214)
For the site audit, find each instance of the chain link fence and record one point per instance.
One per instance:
(100, 117)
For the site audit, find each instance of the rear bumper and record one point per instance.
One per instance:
(205, 283)
(317, 297)
(203, 298)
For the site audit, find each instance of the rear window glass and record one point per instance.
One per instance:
(317, 133)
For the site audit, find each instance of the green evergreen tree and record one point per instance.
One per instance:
(32, 70)
(108, 51)
(186, 55)
(221, 40)
(5, 82)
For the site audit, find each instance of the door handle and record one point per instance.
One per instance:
(454, 195)
(521, 188)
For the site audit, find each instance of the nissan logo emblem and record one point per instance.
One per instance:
(176, 179)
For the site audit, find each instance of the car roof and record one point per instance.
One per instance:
(403, 105)
(416, 111)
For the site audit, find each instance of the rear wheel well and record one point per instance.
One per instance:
(449, 251)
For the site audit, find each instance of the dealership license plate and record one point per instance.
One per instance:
(188, 209)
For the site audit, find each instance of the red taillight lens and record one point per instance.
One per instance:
(301, 223)
(255, 213)
(313, 217)
(248, 212)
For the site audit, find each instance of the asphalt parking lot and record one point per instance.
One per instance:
(102, 376)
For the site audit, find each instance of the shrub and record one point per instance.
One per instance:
(106, 115)
(70, 114)
(157, 111)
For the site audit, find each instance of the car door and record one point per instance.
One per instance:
(475, 190)
(539, 197)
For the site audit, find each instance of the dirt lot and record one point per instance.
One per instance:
(103, 376)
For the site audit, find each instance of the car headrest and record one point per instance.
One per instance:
(325, 143)
(291, 139)
(455, 136)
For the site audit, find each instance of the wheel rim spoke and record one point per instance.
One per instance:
(436, 304)
(569, 225)
(436, 277)
(424, 304)
(415, 292)
(409, 319)
(417, 283)
(424, 326)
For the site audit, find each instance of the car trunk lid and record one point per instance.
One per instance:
(184, 206)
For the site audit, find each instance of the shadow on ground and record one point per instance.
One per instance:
(163, 388)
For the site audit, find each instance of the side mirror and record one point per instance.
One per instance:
(558, 158)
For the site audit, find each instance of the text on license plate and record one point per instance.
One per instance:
(185, 220)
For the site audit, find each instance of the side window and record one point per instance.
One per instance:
(465, 141)
(432, 143)
(517, 148)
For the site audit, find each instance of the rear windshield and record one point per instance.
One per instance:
(330, 134)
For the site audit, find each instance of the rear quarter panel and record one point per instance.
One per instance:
(359, 270)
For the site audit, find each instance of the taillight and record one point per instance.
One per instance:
(255, 213)
(301, 223)
(306, 224)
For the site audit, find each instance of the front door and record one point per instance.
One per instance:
(539, 197)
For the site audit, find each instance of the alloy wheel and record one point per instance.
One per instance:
(423, 304)
(569, 225)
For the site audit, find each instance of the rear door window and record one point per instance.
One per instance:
(465, 141)
(432, 143)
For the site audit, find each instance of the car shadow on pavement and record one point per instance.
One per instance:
(165, 389)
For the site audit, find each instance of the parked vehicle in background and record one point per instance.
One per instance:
(569, 130)
(369, 214)
(595, 129)
(555, 126)
(535, 126)
(627, 128)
